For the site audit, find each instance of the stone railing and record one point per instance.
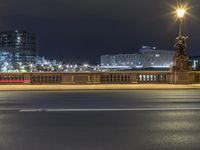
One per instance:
(195, 77)
(153, 77)
(13, 78)
(127, 77)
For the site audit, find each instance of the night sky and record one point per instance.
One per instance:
(82, 30)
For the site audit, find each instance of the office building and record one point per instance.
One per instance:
(108, 60)
(195, 62)
(147, 57)
(5, 60)
(151, 57)
(21, 44)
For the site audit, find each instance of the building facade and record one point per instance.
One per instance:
(147, 57)
(5, 60)
(21, 44)
(195, 62)
(151, 57)
(127, 59)
(107, 60)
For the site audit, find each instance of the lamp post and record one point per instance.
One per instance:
(181, 66)
(180, 13)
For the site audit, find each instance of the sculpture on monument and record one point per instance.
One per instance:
(180, 60)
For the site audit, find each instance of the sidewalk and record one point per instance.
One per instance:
(97, 87)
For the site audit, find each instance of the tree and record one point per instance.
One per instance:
(16, 66)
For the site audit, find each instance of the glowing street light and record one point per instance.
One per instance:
(180, 13)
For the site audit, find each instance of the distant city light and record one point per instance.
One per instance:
(85, 65)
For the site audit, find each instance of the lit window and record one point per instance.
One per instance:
(157, 55)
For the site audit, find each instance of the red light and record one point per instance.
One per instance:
(15, 81)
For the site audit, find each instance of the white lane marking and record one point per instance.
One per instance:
(32, 110)
(9, 109)
(106, 110)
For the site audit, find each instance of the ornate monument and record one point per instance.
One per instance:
(180, 60)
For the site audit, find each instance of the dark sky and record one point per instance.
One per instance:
(85, 29)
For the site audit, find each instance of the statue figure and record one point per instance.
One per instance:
(181, 45)
(180, 60)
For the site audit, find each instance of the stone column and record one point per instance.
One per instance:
(27, 78)
(134, 78)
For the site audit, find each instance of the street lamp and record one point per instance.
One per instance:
(180, 60)
(180, 13)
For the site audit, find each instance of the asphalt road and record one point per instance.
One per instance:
(100, 120)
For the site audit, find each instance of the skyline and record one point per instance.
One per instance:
(76, 30)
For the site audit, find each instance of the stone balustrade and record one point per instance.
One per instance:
(126, 77)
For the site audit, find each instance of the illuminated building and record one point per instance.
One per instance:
(195, 62)
(21, 44)
(151, 57)
(5, 60)
(148, 57)
(5, 56)
(107, 60)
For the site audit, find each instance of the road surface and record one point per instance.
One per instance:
(100, 120)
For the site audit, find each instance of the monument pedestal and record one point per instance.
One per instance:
(180, 78)
(181, 63)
